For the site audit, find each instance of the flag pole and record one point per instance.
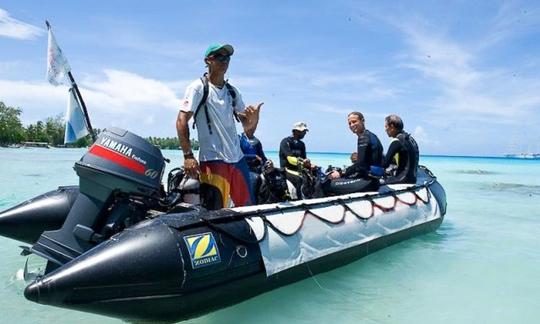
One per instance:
(79, 97)
(83, 105)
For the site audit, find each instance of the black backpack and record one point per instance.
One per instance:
(202, 104)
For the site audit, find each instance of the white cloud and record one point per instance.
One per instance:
(513, 19)
(13, 28)
(332, 109)
(440, 59)
(128, 92)
(422, 137)
(464, 88)
(452, 71)
(114, 98)
(20, 93)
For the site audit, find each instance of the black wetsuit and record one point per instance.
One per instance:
(291, 147)
(253, 152)
(403, 151)
(294, 148)
(370, 153)
(355, 178)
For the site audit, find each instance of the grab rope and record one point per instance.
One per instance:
(346, 208)
(308, 208)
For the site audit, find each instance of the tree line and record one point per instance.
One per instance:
(52, 129)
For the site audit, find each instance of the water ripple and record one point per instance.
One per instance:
(476, 172)
(518, 188)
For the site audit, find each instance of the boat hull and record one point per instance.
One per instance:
(26, 221)
(179, 266)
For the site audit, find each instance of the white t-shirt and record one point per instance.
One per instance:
(223, 144)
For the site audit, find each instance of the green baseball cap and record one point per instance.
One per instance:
(216, 47)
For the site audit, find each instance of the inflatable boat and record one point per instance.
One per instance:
(120, 245)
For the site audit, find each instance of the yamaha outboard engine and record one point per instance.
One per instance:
(119, 180)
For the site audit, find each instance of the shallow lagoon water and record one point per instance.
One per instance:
(482, 265)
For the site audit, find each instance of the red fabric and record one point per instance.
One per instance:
(239, 187)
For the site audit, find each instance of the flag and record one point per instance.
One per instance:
(75, 123)
(57, 64)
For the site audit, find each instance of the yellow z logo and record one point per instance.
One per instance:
(203, 249)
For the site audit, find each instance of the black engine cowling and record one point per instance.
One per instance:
(119, 178)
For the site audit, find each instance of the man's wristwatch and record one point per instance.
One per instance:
(189, 156)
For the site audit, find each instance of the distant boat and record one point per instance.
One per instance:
(527, 156)
(521, 154)
(36, 144)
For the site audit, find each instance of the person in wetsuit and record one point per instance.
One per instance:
(269, 183)
(253, 152)
(403, 152)
(361, 175)
(292, 155)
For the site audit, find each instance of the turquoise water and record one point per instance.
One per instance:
(482, 265)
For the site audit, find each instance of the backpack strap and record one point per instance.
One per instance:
(202, 104)
(232, 93)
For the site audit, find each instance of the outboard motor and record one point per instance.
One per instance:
(119, 180)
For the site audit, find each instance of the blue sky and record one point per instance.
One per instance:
(464, 75)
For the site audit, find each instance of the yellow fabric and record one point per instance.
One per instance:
(293, 160)
(292, 172)
(396, 158)
(219, 182)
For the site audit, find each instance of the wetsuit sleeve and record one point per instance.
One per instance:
(377, 157)
(361, 166)
(244, 144)
(260, 152)
(283, 150)
(192, 97)
(286, 155)
(393, 149)
(303, 155)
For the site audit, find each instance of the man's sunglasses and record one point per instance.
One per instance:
(221, 57)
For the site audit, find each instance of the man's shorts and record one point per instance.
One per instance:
(222, 181)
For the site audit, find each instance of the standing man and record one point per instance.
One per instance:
(369, 161)
(215, 105)
(292, 155)
(403, 152)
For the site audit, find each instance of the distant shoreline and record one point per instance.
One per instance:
(502, 157)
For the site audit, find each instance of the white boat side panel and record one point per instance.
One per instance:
(407, 197)
(385, 202)
(317, 238)
(362, 208)
(332, 213)
(287, 222)
(257, 226)
(423, 194)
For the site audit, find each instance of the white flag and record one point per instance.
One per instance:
(57, 64)
(75, 123)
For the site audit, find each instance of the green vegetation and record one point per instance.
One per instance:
(170, 143)
(11, 128)
(52, 131)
